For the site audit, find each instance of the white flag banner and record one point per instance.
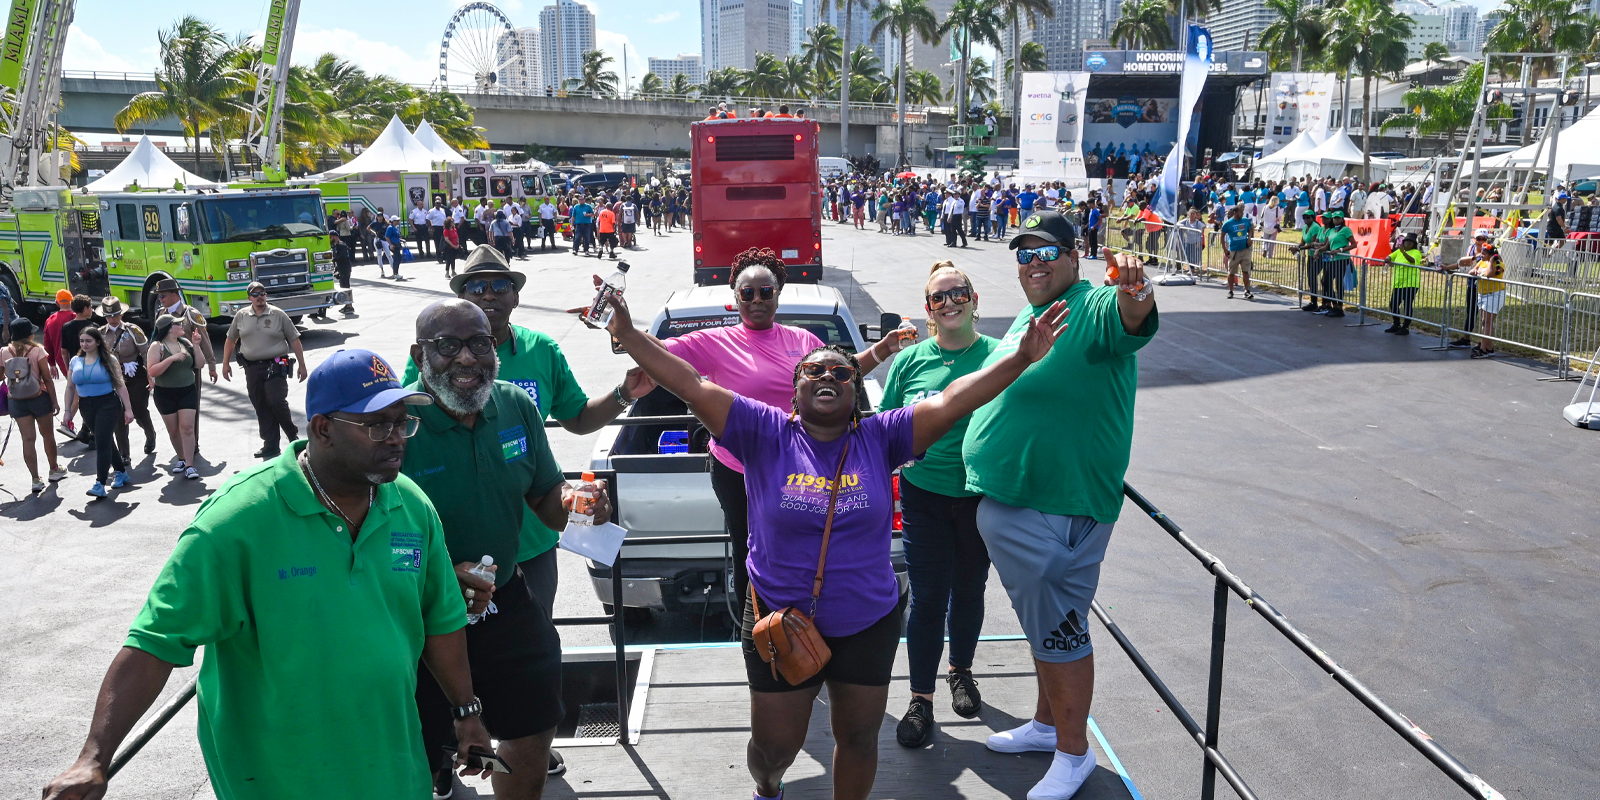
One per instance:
(1051, 145)
(1196, 67)
(1300, 101)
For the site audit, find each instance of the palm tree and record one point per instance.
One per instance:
(1143, 26)
(448, 115)
(1033, 60)
(1295, 34)
(1434, 52)
(725, 82)
(681, 86)
(823, 50)
(922, 88)
(971, 19)
(867, 82)
(904, 18)
(197, 82)
(1440, 110)
(980, 84)
(766, 78)
(1539, 26)
(1367, 36)
(593, 77)
(651, 85)
(1013, 12)
(849, 7)
(797, 75)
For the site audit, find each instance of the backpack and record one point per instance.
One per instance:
(22, 380)
(628, 214)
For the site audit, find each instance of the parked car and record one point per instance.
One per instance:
(600, 181)
(662, 493)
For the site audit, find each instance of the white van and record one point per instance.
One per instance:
(832, 167)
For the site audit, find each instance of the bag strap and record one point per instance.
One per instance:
(827, 527)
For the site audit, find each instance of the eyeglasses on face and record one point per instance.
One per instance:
(748, 293)
(258, 293)
(480, 285)
(1049, 252)
(814, 370)
(448, 346)
(960, 295)
(380, 431)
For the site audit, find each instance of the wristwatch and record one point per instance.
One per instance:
(471, 709)
(622, 397)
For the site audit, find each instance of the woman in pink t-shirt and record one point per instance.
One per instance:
(756, 359)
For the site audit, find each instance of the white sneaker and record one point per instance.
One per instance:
(1066, 776)
(1031, 737)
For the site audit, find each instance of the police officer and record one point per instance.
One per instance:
(262, 336)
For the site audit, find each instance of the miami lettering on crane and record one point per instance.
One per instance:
(272, 38)
(19, 24)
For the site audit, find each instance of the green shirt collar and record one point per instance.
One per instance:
(296, 490)
(437, 421)
(1072, 291)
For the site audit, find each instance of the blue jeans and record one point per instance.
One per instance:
(948, 565)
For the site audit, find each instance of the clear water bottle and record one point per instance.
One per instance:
(907, 332)
(583, 500)
(482, 569)
(599, 314)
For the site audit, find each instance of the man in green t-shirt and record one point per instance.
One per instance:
(481, 456)
(315, 581)
(1052, 481)
(1337, 242)
(1310, 244)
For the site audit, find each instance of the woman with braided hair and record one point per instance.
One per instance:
(813, 464)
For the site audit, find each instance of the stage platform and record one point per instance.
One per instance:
(691, 736)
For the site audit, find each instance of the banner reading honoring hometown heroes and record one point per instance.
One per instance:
(1196, 67)
(1053, 113)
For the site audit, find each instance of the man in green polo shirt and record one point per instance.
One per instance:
(1052, 481)
(1337, 240)
(1311, 245)
(481, 456)
(312, 633)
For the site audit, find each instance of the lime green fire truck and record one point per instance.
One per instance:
(213, 243)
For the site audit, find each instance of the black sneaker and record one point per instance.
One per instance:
(268, 452)
(1310, 307)
(1461, 342)
(149, 446)
(1335, 313)
(1392, 329)
(444, 784)
(916, 727)
(1403, 332)
(558, 765)
(964, 697)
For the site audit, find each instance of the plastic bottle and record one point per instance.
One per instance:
(482, 570)
(599, 314)
(907, 332)
(583, 498)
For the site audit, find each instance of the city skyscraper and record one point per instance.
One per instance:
(687, 64)
(526, 77)
(566, 33)
(749, 27)
(1063, 36)
(797, 25)
(933, 57)
(1460, 26)
(1239, 24)
(711, 34)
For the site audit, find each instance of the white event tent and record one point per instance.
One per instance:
(395, 150)
(1329, 159)
(1276, 166)
(147, 166)
(1574, 160)
(441, 150)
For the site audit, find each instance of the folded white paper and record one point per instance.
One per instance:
(598, 542)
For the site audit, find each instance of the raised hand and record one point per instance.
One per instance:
(1043, 331)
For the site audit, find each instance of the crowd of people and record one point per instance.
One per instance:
(403, 489)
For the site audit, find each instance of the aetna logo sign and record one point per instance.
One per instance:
(1046, 95)
(1069, 636)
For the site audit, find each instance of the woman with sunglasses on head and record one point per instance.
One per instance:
(174, 362)
(100, 392)
(946, 560)
(813, 470)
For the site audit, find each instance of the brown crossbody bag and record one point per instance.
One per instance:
(787, 639)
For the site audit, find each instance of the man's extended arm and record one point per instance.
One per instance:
(132, 684)
(446, 657)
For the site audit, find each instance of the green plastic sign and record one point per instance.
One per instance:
(19, 24)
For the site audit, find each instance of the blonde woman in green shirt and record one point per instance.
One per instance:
(946, 560)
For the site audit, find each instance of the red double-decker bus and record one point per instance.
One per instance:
(755, 184)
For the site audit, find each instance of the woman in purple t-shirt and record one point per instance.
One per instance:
(791, 459)
(756, 359)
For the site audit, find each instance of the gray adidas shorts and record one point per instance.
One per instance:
(1050, 566)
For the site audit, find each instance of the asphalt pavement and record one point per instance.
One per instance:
(1427, 520)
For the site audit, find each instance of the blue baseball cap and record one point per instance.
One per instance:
(357, 382)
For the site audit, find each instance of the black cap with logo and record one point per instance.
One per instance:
(1050, 226)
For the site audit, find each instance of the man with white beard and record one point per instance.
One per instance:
(481, 456)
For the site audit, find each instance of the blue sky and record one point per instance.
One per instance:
(397, 37)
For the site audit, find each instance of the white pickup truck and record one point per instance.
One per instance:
(660, 494)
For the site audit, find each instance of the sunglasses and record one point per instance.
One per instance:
(480, 285)
(258, 293)
(748, 293)
(379, 431)
(1049, 252)
(961, 295)
(814, 370)
(448, 346)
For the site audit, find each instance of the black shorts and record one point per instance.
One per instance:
(608, 238)
(515, 655)
(627, 227)
(170, 399)
(865, 658)
(38, 405)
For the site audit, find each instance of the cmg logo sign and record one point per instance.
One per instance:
(1045, 117)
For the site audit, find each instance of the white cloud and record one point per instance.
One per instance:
(86, 53)
(375, 57)
(616, 45)
(660, 18)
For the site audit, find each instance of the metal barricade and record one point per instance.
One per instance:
(1529, 315)
(1426, 303)
(1569, 265)
(1582, 332)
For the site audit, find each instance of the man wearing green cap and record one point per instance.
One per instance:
(1338, 241)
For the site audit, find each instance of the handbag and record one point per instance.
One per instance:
(787, 639)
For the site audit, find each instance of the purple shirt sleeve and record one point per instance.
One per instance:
(751, 430)
(893, 430)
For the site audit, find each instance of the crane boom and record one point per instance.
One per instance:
(30, 76)
(264, 131)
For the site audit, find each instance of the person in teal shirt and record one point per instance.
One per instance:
(1236, 236)
(946, 561)
(1048, 455)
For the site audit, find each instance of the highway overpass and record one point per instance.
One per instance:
(582, 124)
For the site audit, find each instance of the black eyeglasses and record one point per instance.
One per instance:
(748, 293)
(480, 285)
(814, 370)
(258, 293)
(379, 431)
(960, 295)
(1049, 252)
(449, 346)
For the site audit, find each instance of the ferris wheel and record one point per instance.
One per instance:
(481, 50)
